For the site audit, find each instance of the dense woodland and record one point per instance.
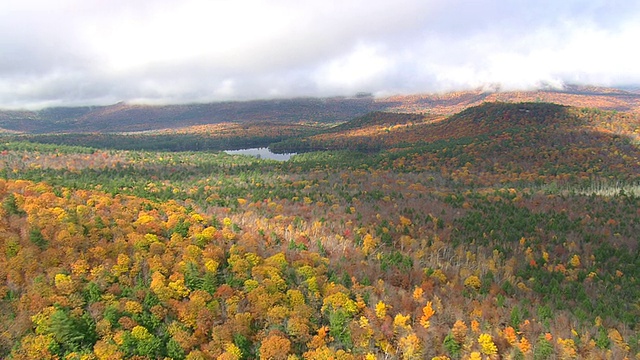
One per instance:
(507, 230)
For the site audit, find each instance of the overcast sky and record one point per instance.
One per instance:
(84, 52)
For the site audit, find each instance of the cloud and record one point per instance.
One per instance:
(76, 52)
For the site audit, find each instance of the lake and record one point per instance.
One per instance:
(262, 153)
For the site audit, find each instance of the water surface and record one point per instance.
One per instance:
(261, 153)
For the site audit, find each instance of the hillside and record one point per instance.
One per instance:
(127, 118)
(507, 230)
(578, 96)
(123, 117)
(392, 130)
(221, 136)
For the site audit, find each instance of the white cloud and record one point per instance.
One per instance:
(83, 52)
(362, 69)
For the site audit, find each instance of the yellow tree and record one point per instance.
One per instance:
(275, 347)
(427, 313)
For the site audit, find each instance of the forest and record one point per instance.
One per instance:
(504, 230)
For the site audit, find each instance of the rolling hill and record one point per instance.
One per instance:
(380, 130)
(124, 117)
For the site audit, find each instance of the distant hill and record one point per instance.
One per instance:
(379, 130)
(571, 95)
(124, 117)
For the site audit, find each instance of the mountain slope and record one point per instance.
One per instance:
(123, 117)
(386, 130)
(494, 142)
(578, 96)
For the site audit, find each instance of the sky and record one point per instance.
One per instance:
(89, 52)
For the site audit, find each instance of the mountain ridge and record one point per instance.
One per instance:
(123, 117)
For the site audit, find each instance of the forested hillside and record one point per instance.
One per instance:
(126, 118)
(507, 230)
(123, 117)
